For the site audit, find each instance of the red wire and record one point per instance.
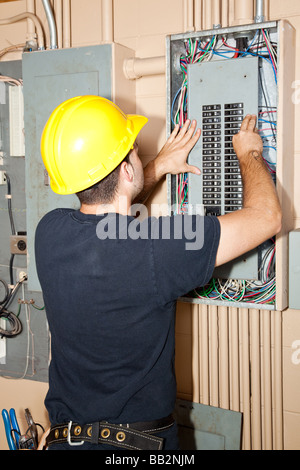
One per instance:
(233, 48)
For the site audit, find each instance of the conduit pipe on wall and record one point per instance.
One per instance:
(225, 13)
(59, 21)
(198, 15)
(31, 34)
(24, 16)
(259, 17)
(216, 13)
(136, 68)
(66, 23)
(51, 24)
(188, 15)
(107, 20)
(207, 14)
(243, 12)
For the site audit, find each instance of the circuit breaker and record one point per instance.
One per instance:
(218, 77)
(221, 93)
(51, 77)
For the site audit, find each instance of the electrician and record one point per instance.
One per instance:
(110, 300)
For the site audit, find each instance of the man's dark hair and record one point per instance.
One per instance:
(105, 190)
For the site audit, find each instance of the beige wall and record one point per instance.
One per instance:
(142, 25)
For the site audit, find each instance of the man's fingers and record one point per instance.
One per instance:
(173, 134)
(184, 129)
(252, 123)
(192, 139)
(245, 123)
(249, 123)
(193, 169)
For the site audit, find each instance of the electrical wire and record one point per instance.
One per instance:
(12, 225)
(13, 320)
(6, 288)
(15, 323)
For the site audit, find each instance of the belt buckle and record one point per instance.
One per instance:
(72, 444)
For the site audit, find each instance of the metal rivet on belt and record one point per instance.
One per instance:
(89, 431)
(77, 431)
(121, 436)
(105, 433)
(65, 432)
(56, 434)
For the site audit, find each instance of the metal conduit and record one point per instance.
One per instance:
(51, 23)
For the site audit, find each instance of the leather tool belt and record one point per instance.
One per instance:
(134, 436)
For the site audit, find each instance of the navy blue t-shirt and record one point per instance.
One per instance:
(110, 303)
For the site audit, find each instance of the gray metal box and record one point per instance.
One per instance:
(221, 94)
(294, 269)
(51, 77)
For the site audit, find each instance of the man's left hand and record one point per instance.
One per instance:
(173, 156)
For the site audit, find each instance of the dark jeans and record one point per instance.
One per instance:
(170, 443)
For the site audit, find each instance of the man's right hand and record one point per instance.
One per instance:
(247, 141)
(260, 217)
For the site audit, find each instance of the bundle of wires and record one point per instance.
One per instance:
(12, 319)
(232, 290)
(195, 53)
(238, 291)
(264, 291)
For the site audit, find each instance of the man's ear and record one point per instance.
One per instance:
(127, 171)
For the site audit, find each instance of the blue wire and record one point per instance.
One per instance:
(269, 147)
(249, 47)
(269, 122)
(271, 62)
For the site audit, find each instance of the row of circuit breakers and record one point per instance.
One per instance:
(212, 166)
(220, 95)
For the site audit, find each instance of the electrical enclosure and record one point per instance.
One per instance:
(51, 77)
(218, 77)
(294, 269)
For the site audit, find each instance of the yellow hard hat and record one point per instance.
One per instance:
(84, 140)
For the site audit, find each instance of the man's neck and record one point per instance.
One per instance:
(121, 205)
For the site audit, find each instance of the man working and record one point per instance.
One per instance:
(111, 302)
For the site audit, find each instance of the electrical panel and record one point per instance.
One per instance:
(51, 77)
(218, 77)
(24, 341)
(219, 111)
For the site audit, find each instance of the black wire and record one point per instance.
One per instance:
(12, 225)
(16, 325)
(11, 275)
(6, 291)
(11, 296)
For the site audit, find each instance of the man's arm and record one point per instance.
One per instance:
(260, 218)
(172, 159)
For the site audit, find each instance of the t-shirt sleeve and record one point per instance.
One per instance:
(184, 258)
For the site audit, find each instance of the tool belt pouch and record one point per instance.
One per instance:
(104, 433)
